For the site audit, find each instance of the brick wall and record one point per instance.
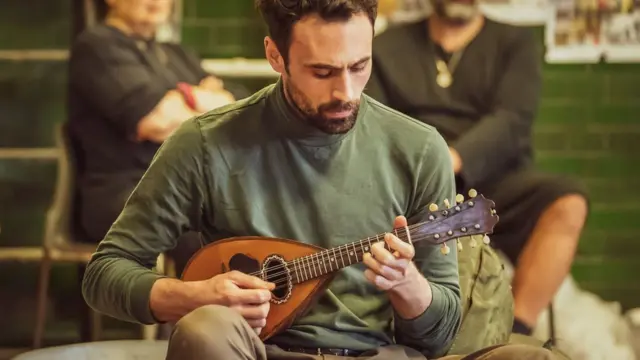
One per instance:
(588, 127)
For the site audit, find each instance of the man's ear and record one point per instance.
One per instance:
(273, 55)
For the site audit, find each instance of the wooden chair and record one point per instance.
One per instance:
(60, 244)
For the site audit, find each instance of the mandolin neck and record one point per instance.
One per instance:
(328, 261)
(470, 217)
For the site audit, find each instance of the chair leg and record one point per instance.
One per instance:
(41, 310)
(552, 325)
(96, 325)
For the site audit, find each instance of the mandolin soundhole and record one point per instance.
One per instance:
(275, 270)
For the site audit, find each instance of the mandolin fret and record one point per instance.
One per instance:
(331, 260)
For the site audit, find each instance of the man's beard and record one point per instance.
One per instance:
(454, 12)
(314, 116)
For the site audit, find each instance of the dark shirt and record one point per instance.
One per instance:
(487, 112)
(114, 81)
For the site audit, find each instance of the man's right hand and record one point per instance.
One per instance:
(171, 299)
(246, 294)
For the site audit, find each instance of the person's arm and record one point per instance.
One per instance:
(168, 201)
(112, 80)
(433, 331)
(490, 146)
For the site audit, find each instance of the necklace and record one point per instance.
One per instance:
(444, 78)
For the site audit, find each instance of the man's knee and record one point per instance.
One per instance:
(520, 352)
(570, 210)
(209, 331)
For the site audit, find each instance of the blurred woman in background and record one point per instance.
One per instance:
(127, 94)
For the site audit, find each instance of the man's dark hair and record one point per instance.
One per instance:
(281, 15)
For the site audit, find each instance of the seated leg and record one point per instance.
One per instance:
(510, 352)
(541, 218)
(214, 332)
(546, 259)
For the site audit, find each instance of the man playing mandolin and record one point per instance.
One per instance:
(309, 158)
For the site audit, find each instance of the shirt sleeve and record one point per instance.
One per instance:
(111, 79)
(499, 138)
(167, 202)
(433, 331)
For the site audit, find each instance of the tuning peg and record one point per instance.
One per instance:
(447, 204)
(433, 207)
(459, 244)
(459, 198)
(486, 240)
(473, 193)
(473, 242)
(445, 249)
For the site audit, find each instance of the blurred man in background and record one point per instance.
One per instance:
(478, 82)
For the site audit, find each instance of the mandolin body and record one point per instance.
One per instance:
(252, 254)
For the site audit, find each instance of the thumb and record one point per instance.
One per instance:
(249, 282)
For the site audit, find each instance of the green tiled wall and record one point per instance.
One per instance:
(587, 127)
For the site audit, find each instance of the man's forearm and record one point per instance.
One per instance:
(431, 332)
(119, 288)
(414, 299)
(490, 147)
(171, 299)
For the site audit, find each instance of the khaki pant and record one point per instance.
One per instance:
(219, 333)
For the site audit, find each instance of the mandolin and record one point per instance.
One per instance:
(302, 271)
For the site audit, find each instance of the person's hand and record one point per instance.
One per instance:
(394, 272)
(246, 294)
(211, 83)
(456, 160)
(389, 270)
(208, 100)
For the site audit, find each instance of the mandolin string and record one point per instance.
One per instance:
(352, 244)
(312, 259)
(282, 282)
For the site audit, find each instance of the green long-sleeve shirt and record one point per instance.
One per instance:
(255, 168)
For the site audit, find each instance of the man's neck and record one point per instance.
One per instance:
(143, 31)
(453, 37)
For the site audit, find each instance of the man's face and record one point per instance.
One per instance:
(142, 12)
(456, 11)
(329, 66)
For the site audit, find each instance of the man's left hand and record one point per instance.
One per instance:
(394, 271)
(389, 270)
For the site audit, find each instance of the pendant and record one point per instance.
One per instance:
(444, 79)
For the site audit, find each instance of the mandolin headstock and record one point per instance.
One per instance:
(473, 216)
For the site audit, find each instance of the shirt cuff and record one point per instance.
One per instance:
(422, 324)
(141, 294)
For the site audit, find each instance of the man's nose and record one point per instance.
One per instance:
(343, 88)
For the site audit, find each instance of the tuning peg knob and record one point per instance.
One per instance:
(459, 245)
(473, 242)
(445, 249)
(486, 240)
(447, 204)
(433, 207)
(473, 193)
(459, 198)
